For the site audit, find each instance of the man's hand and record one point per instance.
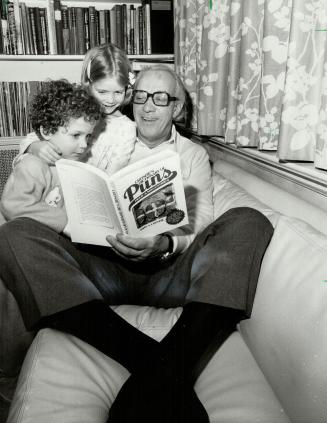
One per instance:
(138, 249)
(45, 150)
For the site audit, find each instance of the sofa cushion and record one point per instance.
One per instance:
(287, 331)
(227, 195)
(64, 379)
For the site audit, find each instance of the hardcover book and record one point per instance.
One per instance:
(143, 199)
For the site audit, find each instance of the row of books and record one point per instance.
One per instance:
(61, 29)
(14, 103)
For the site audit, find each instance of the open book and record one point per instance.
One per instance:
(143, 199)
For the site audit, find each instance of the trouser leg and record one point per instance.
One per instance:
(226, 259)
(47, 273)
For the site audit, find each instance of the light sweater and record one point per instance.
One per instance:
(33, 190)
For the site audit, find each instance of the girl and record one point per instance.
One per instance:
(107, 75)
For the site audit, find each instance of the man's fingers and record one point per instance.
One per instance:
(123, 249)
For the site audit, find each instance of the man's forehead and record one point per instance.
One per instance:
(157, 80)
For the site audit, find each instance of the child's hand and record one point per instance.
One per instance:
(45, 150)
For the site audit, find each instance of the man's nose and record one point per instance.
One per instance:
(149, 105)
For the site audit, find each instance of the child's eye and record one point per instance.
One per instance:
(76, 136)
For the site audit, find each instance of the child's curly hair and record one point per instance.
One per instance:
(58, 102)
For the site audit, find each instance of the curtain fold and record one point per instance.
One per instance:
(256, 71)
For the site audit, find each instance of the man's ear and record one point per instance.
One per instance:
(45, 136)
(178, 108)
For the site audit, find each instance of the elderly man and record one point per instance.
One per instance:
(209, 268)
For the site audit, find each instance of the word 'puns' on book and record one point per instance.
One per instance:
(143, 199)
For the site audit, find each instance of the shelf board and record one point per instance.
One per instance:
(75, 57)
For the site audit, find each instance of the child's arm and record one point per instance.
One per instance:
(25, 195)
(43, 149)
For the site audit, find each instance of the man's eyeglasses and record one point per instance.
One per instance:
(159, 98)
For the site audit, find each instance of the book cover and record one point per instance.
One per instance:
(143, 199)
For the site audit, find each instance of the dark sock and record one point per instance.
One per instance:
(162, 391)
(98, 325)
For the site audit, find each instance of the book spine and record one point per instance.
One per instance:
(124, 27)
(4, 26)
(147, 21)
(132, 29)
(44, 29)
(107, 25)
(80, 30)
(86, 29)
(33, 29)
(52, 37)
(73, 30)
(128, 31)
(141, 29)
(113, 29)
(18, 27)
(1, 37)
(24, 30)
(92, 21)
(115, 199)
(137, 31)
(58, 26)
(65, 29)
(11, 29)
(102, 27)
(38, 30)
(119, 26)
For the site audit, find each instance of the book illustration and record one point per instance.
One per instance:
(157, 206)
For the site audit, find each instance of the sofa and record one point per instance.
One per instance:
(273, 369)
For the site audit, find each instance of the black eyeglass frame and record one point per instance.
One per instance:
(151, 95)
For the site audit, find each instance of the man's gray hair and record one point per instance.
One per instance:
(180, 91)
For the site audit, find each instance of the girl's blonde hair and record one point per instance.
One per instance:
(107, 60)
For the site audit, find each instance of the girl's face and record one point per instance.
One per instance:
(109, 93)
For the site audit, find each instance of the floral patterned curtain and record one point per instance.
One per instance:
(256, 71)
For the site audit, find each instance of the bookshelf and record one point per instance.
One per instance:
(17, 70)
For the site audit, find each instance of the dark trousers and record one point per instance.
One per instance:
(47, 273)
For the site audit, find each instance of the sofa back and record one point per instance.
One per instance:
(287, 332)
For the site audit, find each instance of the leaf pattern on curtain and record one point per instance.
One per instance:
(256, 71)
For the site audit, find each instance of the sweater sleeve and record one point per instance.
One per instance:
(25, 191)
(199, 201)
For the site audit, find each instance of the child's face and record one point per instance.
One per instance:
(109, 93)
(72, 139)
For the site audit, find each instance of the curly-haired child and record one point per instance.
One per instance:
(65, 115)
(107, 75)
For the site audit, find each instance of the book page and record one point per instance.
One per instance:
(90, 211)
